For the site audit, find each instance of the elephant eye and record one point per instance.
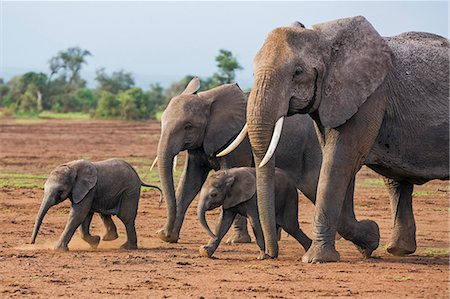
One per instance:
(297, 73)
(214, 194)
(188, 127)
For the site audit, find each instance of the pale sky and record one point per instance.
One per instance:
(163, 41)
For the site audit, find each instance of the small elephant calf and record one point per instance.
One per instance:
(235, 190)
(110, 187)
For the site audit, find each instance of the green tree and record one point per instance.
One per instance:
(69, 64)
(227, 65)
(156, 100)
(87, 99)
(114, 83)
(4, 90)
(108, 105)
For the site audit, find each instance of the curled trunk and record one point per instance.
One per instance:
(201, 214)
(45, 206)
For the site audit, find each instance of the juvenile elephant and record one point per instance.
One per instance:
(381, 101)
(204, 123)
(235, 190)
(110, 187)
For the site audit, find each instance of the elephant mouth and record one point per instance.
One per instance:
(293, 102)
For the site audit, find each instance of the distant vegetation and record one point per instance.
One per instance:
(63, 90)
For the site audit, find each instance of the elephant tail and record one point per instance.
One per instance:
(156, 187)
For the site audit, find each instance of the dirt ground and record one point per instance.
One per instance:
(30, 149)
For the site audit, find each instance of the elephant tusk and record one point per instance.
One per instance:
(175, 159)
(273, 142)
(235, 142)
(154, 163)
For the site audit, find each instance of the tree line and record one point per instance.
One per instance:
(115, 96)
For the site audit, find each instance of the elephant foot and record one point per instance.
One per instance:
(320, 254)
(93, 241)
(263, 256)
(403, 243)
(369, 237)
(169, 238)
(206, 251)
(239, 237)
(128, 246)
(110, 236)
(61, 248)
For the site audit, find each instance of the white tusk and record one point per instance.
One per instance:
(273, 142)
(154, 163)
(175, 163)
(235, 142)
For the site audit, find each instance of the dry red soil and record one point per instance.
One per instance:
(164, 270)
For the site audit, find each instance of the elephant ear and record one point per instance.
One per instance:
(85, 180)
(192, 87)
(242, 188)
(227, 116)
(359, 62)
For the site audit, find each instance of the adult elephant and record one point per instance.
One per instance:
(203, 124)
(382, 101)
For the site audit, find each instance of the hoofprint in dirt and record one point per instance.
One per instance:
(28, 151)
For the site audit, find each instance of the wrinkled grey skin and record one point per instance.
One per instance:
(110, 187)
(204, 123)
(235, 191)
(374, 100)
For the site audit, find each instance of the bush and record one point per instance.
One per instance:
(108, 106)
(28, 102)
(133, 104)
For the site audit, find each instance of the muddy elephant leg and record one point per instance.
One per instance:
(403, 239)
(240, 231)
(365, 234)
(78, 214)
(111, 229)
(85, 234)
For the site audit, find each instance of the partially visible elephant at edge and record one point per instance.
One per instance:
(109, 187)
(235, 191)
(204, 123)
(381, 101)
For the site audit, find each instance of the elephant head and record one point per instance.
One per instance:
(73, 180)
(226, 188)
(204, 121)
(328, 72)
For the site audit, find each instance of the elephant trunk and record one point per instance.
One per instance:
(165, 167)
(201, 214)
(46, 204)
(261, 118)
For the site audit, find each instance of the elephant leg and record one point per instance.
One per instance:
(127, 215)
(365, 234)
(191, 181)
(258, 232)
(344, 150)
(224, 224)
(93, 241)
(403, 239)
(111, 229)
(240, 231)
(78, 214)
(131, 242)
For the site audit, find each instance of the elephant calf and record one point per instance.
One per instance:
(110, 187)
(235, 190)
